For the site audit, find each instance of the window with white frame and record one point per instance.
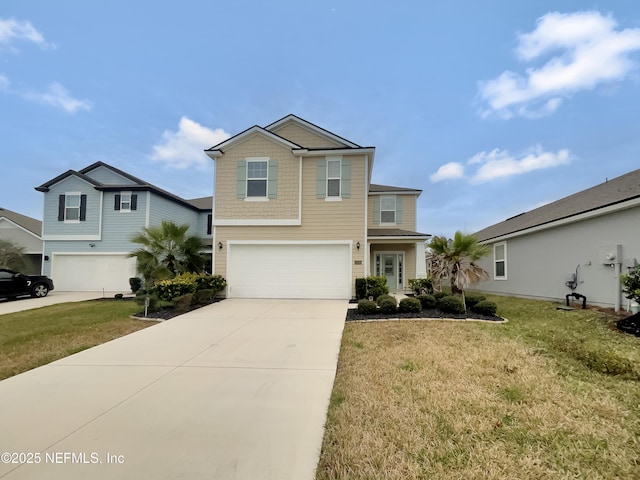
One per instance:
(500, 261)
(334, 168)
(257, 172)
(125, 202)
(388, 209)
(72, 207)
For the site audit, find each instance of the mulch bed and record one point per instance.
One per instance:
(167, 313)
(630, 324)
(353, 315)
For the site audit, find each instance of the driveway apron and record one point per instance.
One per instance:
(236, 390)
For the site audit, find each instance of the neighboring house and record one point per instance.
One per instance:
(90, 216)
(296, 215)
(24, 232)
(593, 235)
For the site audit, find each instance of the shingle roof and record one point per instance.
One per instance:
(203, 203)
(28, 223)
(394, 232)
(611, 192)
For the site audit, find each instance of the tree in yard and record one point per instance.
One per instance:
(456, 258)
(166, 251)
(12, 256)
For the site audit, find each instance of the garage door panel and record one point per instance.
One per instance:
(92, 272)
(289, 271)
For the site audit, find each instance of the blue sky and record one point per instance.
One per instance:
(491, 108)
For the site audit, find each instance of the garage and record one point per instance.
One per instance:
(77, 273)
(289, 270)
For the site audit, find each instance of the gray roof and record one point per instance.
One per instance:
(202, 203)
(28, 223)
(611, 192)
(394, 232)
(375, 188)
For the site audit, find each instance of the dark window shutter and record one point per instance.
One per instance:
(116, 204)
(61, 201)
(134, 201)
(209, 222)
(83, 208)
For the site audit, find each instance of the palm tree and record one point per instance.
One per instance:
(456, 258)
(166, 251)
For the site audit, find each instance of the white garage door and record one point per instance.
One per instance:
(289, 271)
(78, 273)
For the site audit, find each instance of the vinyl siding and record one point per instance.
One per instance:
(108, 177)
(51, 225)
(14, 234)
(164, 209)
(118, 227)
(408, 212)
(305, 138)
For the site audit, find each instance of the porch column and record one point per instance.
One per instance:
(421, 263)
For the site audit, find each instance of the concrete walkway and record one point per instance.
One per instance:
(236, 390)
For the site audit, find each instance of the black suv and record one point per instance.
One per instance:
(14, 284)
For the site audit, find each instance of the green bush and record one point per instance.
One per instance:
(427, 301)
(631, 284)
(410, 304)
(203, 297)
(471, 299)
(485, 307)
(183, 302)
(451, 304)
(388, 305)
(371, 287)
(421, 286)
(216, 283)
(188, 283)
(439, 295)
(384, 297)
(367, 307)
(135, 283)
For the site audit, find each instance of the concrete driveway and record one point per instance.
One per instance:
(235, 390)
(28, 303)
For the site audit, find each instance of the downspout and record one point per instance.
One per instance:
(618, 267)
(367, 253)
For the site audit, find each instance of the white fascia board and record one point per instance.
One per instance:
(71, 237)
(20, 227)
(566, 221)
(408, 238)
(213, 154)
(393, 192)
(242, 222)
(304, 152)
(290, 242)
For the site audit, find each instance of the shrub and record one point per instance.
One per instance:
(451, 304)
(384, 297)
(367, 307)
(439, 295)
(485, 307)
(118, 296)
(203, 297)
(216, 283)
(427, 301)
(371, 287)
(471, 299)
(421, 286)
(361, 288)
(183, 302)
(154, 301)
(135, 283)
(631, 284)
(388, 305)
(176, 287)
(410, 305)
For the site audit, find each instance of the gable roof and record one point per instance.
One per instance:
(139, 185)
(217, 150)
(31, 224)
(379, 189)
(291, 118)
(612, 193)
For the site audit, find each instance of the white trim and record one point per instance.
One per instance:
(21, 227)
(256, 199)
(391, 192)
(305, 152)
(240, 222)
(243, 135)
(79, 207)
(122, 210)
(495, 276)
(421, 264)
(290, 242)
(333, 199)
(365, 244)
(394, 210)
(100, 212)
(71, 237)
(564, 221)
(421, 237)
(300, 190)
(147, 219)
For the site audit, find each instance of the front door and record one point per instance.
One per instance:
(390, 269)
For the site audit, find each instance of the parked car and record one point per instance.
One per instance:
(15, 284)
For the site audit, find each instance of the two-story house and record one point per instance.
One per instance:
(90, 216)
(296, 215)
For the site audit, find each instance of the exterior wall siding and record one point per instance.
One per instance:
(108, 177)
(164, 209)
(11, 233)
(305, 138)
(538, 263)
(51, 225)
(409, 213)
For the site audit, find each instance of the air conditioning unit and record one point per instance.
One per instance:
(610, 254)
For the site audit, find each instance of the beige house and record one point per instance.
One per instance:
(26, 233)
(295, 215)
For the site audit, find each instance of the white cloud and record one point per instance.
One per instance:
(501, 164)
(58, 96)
(589, 51)
(12, 30)
(448, 171)
(184, 148)
(4, 82)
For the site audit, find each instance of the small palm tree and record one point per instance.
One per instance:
(456, 258)
(166, 251)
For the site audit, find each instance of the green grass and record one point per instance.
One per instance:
(550, 394)
(36, 337)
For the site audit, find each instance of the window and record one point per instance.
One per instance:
(257, 173)
(333, 178)
(388, 209)
(72, 207)
(500, 261)
(126, 202)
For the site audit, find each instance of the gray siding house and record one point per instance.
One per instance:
(90, 216)
(25, 232)
(580, 243)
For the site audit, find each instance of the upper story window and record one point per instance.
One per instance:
(500, 261)
(388, 209)
(72, 207)
(334, 174)
(126, 202)
(257, 176)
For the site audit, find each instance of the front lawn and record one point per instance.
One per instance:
(550, 394)
(32, 338)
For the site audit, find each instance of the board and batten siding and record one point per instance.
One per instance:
(51, 225)
(538, 263)
(108, 177)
